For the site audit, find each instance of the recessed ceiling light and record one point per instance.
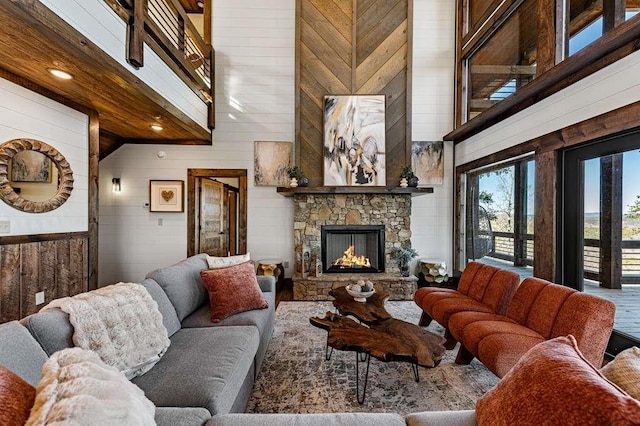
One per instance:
(156, 127)
(60, 74)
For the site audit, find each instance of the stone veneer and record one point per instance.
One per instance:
(311, 211)
(317, 288)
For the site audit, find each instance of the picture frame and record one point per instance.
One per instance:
(166, 196)
(271, 161)
(354, 140)
(427, 161)
(31, 166)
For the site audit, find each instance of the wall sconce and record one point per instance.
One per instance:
(115, 182)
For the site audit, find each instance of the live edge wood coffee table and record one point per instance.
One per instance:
(377, 335)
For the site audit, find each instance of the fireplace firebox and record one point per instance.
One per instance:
(352, 248)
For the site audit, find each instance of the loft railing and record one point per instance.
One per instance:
(166, 28)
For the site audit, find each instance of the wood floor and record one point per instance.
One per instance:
(627, 300)
(284, 292)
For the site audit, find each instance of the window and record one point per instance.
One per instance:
(499, 215)
(601, 227)
(477, 11)
(506, 45)
(505, 62)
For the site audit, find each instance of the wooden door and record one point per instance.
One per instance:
(213, 229)
(233, 222)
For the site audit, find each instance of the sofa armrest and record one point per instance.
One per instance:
(267, 283)
(442, 418)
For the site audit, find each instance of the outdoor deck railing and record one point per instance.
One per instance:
(503, 249)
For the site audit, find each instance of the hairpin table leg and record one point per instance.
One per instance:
(366, 377)
(416, 373)
(328, 351)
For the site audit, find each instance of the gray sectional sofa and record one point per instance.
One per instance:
(209, 368)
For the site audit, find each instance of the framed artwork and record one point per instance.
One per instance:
(427, 160)
(166, 195)
(271, 161)
(30, 166)
(354, 140)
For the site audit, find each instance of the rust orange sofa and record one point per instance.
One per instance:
(482, 288)
(539, 311)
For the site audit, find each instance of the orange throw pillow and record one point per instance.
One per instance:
(233, 290)
(553, 384)
(16, 399)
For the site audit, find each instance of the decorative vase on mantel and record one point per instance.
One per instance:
(403, 183)
(413, 182)
(303, 181)
(293, 183)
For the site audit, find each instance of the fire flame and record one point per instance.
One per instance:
(350, 260)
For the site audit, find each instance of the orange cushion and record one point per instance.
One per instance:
(553, 384)
(421, 293)
(477, 331)
(500, 352)
(16, 399)
(232, 290)
(443, 309)
(459, 320)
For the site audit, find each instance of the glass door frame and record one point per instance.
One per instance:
(570, 223)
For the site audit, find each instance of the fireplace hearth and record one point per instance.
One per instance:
(353, 248)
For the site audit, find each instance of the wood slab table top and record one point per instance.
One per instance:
(369, 312)
(390, 340)
(383, 337)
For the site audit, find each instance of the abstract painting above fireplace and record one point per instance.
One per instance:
(353, 248)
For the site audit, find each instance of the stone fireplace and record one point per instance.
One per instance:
(389, 213)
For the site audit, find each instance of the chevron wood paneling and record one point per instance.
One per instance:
(351, 47)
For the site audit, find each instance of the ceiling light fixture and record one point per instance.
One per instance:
(156, 127)
(200, 4)
(63, 75)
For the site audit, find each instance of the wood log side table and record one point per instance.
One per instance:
(378, 334)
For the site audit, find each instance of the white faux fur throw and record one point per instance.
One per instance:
(77, 388)
(121, 323)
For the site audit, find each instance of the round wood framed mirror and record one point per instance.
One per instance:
(29, 163)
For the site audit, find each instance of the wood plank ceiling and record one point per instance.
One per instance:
(34, 39)
(346, 51)
(191, 6)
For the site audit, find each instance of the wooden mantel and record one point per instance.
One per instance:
(330, 190)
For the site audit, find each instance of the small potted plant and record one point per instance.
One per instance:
(409, 176)
(293, 172)
(403, 255)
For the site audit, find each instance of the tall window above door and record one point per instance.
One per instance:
(503, 46)
(505, 62)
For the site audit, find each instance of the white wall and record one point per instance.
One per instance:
(432, 117)
(612, 87)
(26, 114)
(255, 79)
(98, 22)
(255, 97)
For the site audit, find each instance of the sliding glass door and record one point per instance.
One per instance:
(600, 222)
(499, 215)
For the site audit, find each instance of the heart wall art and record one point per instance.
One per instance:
(166, 196)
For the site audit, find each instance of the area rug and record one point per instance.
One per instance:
(296, 378)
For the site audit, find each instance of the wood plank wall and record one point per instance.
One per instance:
(351, 47)
(59, 268)
(60, 264)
